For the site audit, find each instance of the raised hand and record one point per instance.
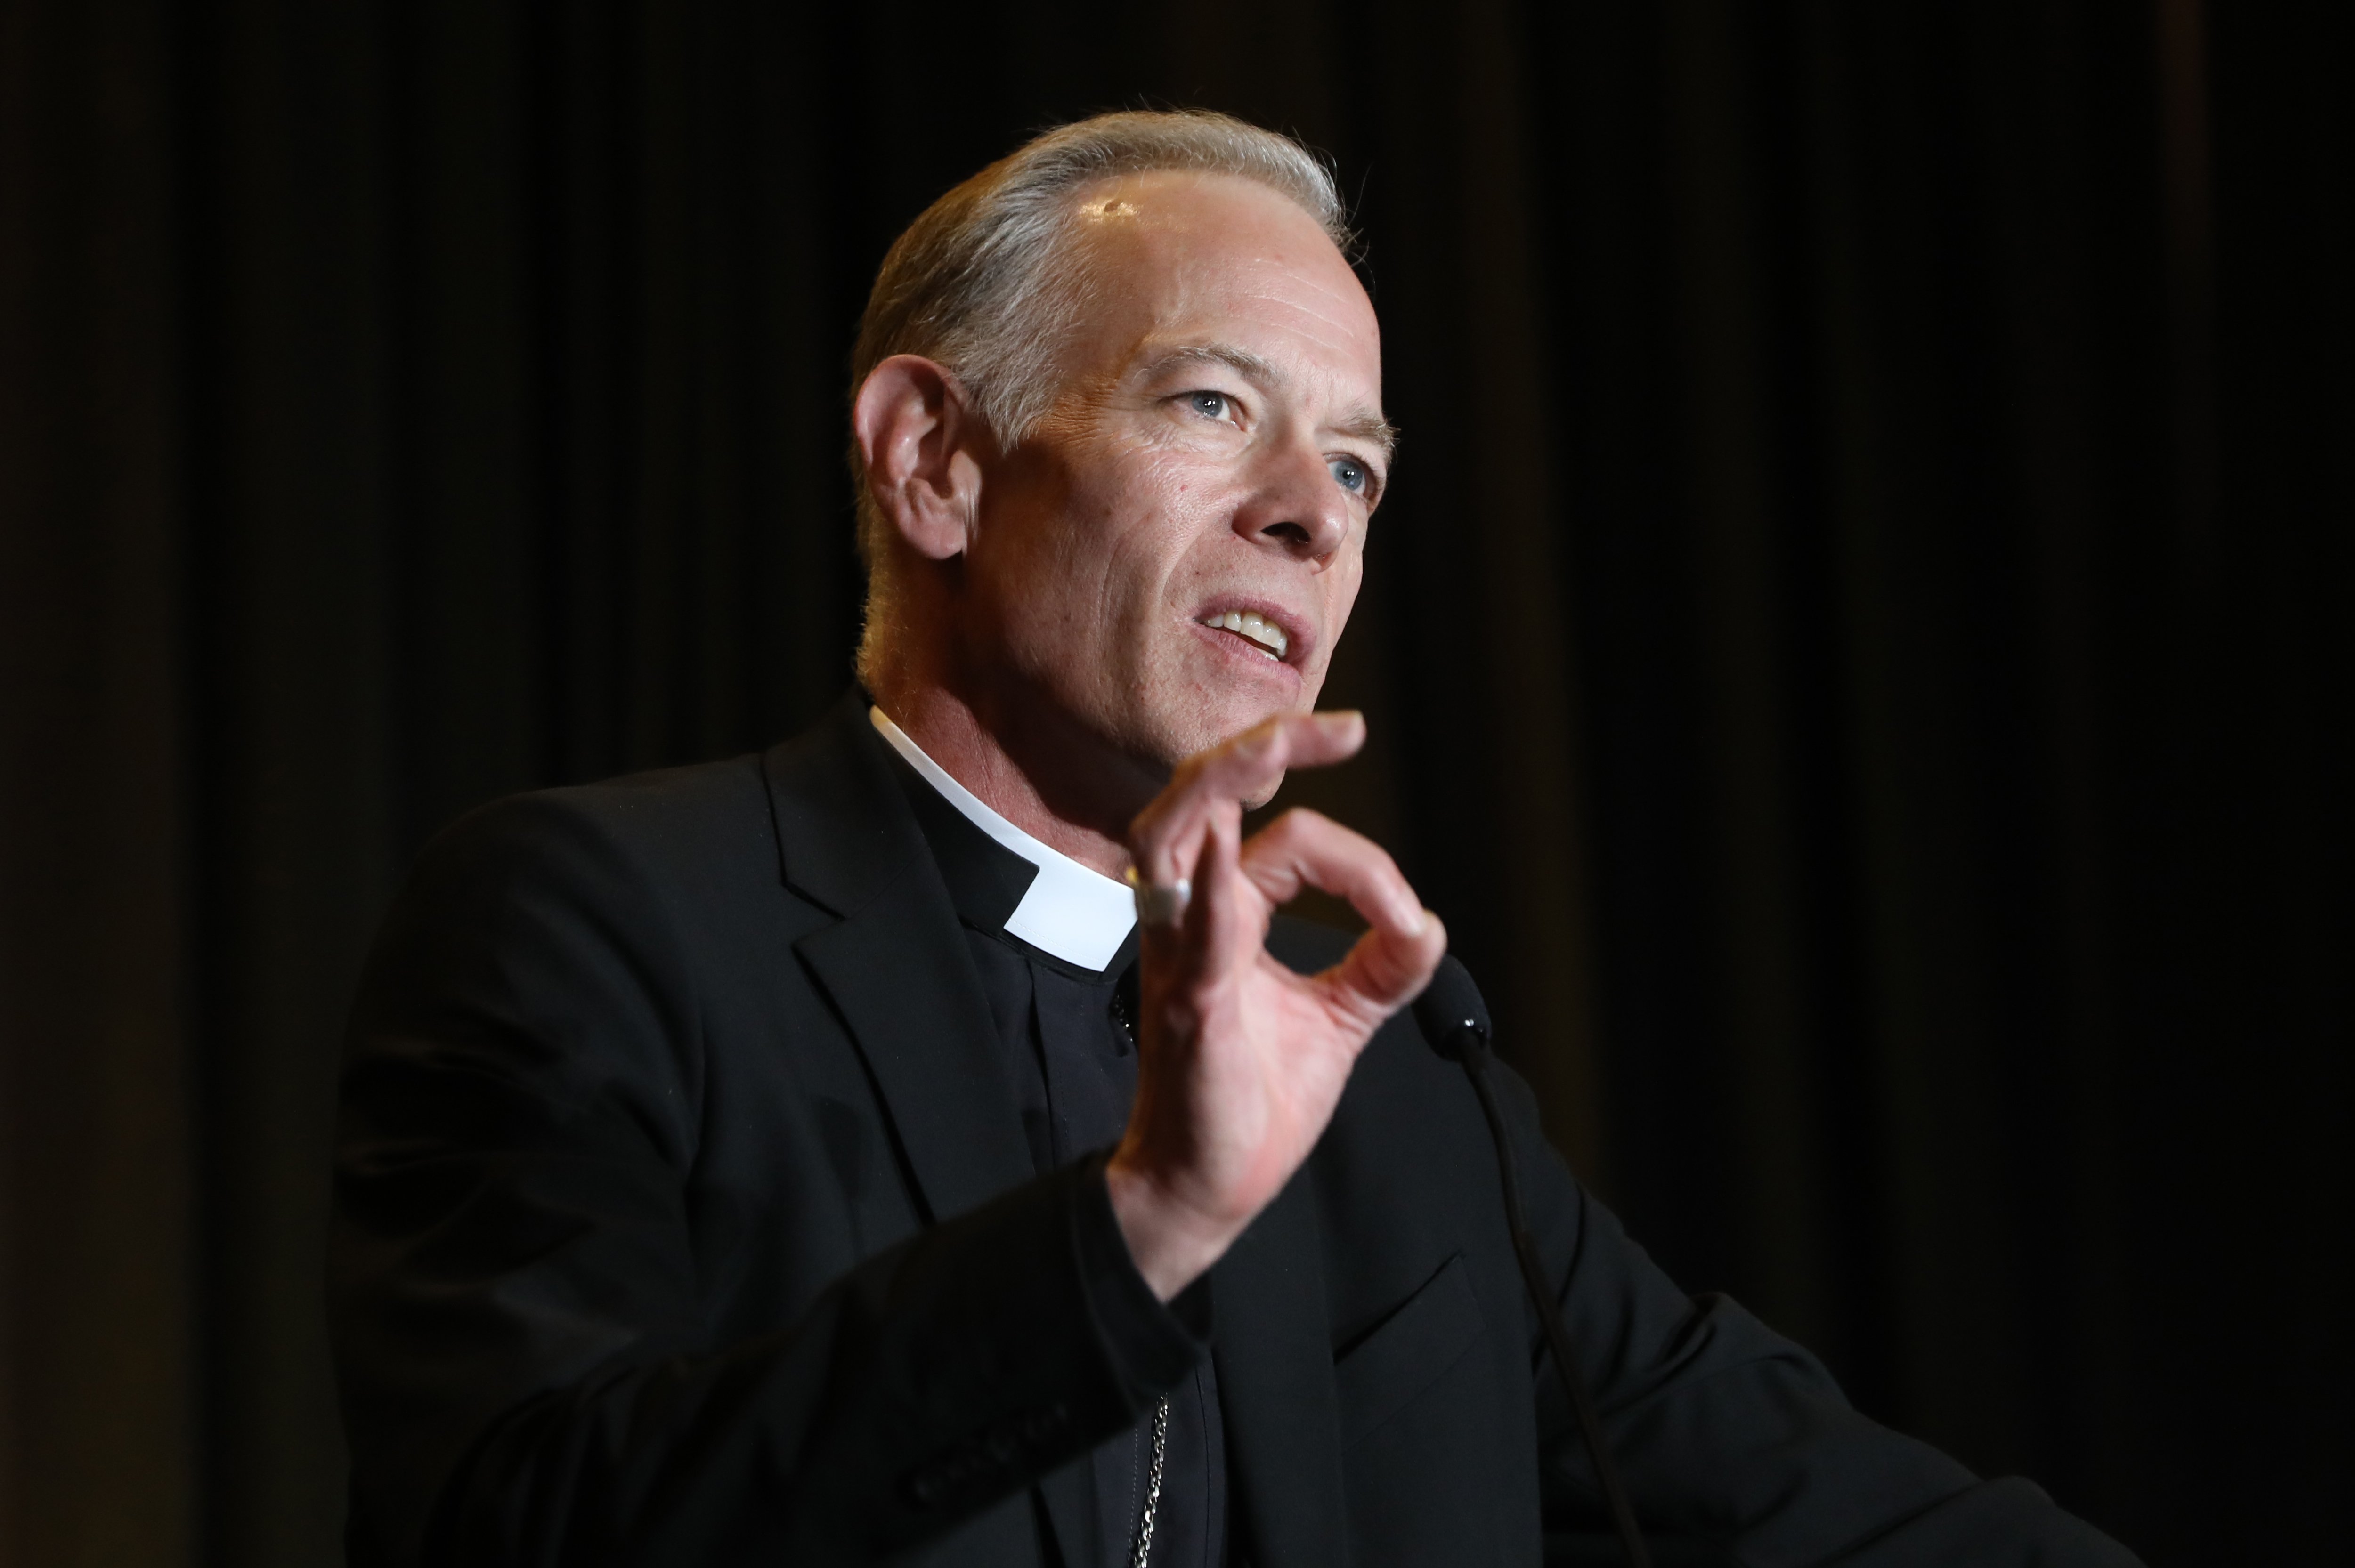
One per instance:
(1240, 1060)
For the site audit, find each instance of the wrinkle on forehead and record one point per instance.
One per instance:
(1172, 256)
(1165, 211)
(1342, 336)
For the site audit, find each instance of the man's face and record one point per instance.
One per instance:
(1213, 461)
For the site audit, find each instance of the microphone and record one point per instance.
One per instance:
(1455, 1020)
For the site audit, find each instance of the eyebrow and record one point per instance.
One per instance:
(1362, 424)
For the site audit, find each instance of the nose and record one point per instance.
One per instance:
(1297, 507)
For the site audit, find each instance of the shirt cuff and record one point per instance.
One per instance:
(1153, 1344)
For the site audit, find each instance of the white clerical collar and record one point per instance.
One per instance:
(1080, 915)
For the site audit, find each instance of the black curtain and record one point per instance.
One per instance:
(1855, 650)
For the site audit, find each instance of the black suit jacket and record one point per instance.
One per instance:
(682, 1217)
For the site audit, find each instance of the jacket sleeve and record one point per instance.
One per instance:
(526, 1371)
(1726, 1431)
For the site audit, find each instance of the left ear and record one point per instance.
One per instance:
(918, 438)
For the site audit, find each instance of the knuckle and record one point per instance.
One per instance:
(1300, 829)
(1147, 842)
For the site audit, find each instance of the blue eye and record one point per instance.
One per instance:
(1350, 475)
(1209, 405)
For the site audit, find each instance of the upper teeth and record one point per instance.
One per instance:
(1265, 632)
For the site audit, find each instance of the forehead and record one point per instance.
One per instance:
(1174, 257)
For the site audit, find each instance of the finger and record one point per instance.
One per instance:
(1386, 969)
(1393, 960)
(1222, 927)
(1202, 939)
(1304, 848)
(1167, 835)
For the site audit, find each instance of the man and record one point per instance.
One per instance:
(814, 1158)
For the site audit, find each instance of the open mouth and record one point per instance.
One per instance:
(1261, 633)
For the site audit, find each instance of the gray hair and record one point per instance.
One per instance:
(977, 279)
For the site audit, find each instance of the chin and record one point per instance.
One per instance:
(1186, 728)
(1167, 709)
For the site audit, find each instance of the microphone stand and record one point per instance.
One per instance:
(1463, 1033)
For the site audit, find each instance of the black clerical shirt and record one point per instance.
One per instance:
(1068, 1050)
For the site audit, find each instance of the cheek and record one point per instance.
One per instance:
(1149, 513)
(1080, 584)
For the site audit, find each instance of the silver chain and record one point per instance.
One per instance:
(1152, 1486)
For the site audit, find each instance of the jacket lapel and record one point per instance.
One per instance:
(1274, 1355)
(897, 968)
(895, 964)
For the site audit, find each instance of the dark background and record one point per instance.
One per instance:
(1856, 650)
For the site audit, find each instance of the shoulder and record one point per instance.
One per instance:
(710, 828)
(680, 868)
(595, 862)
(669, 814)
(625, 842)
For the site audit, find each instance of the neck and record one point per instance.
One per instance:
(1036, 768)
